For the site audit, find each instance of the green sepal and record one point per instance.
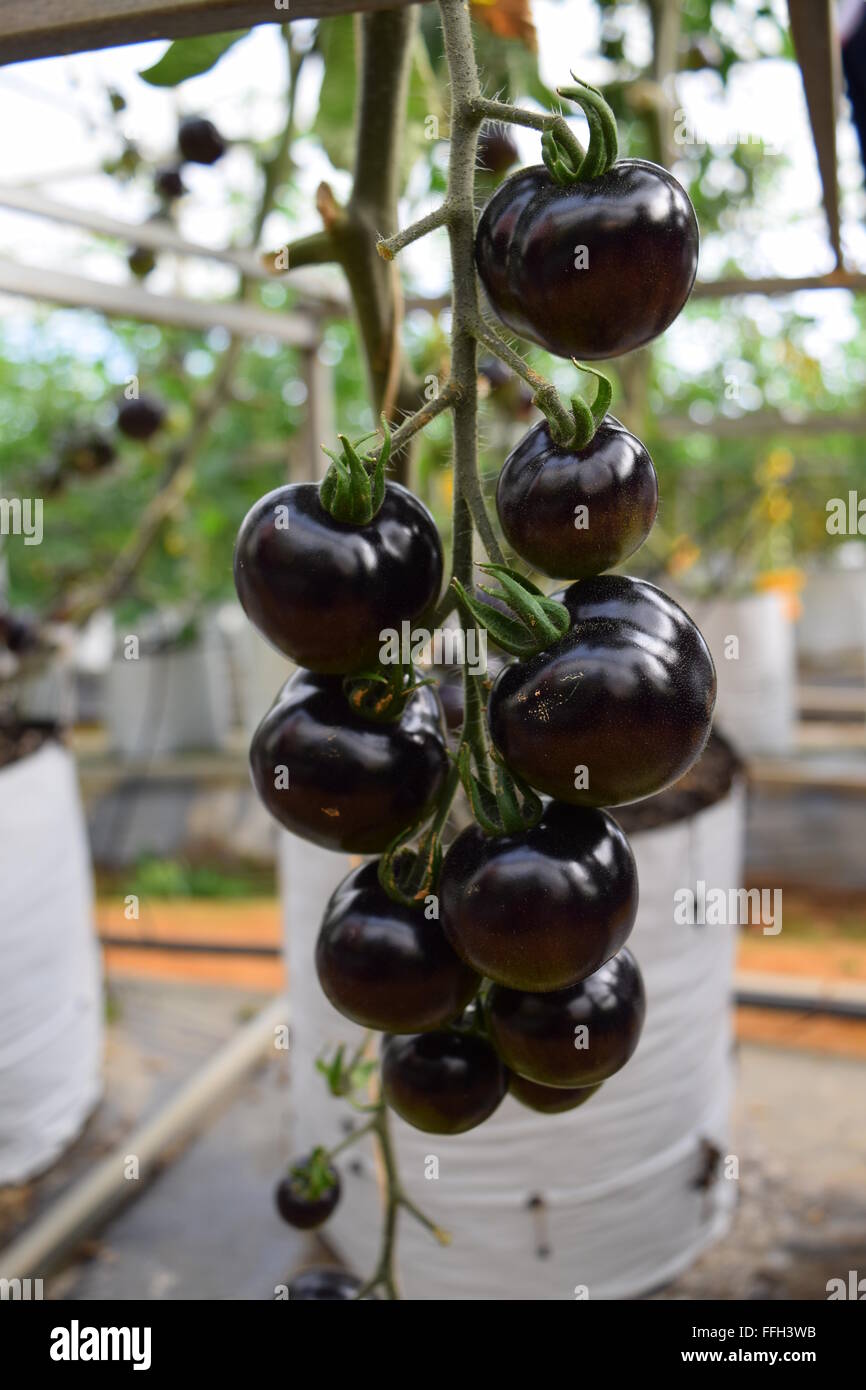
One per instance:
(315, 1177)
(538, 620)
(587, 418)
(353, 488)
(410, 876)
(380, 694)
(481, 799)
(510, 808)
(603, 147)
(557, 159)
(333, 1070)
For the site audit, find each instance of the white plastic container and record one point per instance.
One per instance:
(831, 633)
(258, 671)
(172, 702)
(752, 643)
(51, 1015)
(618, 1177)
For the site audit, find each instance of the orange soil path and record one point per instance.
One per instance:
(257, 921)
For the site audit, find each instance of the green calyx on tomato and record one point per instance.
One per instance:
(353, 489)
(587, 418)
(380, 694)
(502, 804)
(537, 620)
(561, 162)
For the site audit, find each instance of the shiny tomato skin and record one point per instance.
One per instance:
(549, 1100)
(387, 966)
(322, 592)
(442, 1083)
(535, 1034)
(542, 485)
(352, 784)
(627, 694)
(542, 909)
(592, 269)
(494, 240)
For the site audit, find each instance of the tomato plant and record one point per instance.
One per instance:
(499, 965)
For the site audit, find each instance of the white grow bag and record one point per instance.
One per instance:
(171, 702)
(756, 704)
(617, 1176)
(51, 981)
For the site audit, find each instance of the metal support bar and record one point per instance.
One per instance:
(131, 301)
(42, 28)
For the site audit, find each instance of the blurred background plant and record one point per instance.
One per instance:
(717, 401)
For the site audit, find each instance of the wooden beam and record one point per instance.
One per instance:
(44, 28)
(813, 29)
(133, 302)
(774, 285)
(322, 295)
(763, 422)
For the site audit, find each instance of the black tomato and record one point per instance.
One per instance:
(322, 1285)
(443, 1083)
(616, 710)
(88, 452)
(352, 785)
(542, 909)
(199, 141)
(300, 1205)
(575, 512)
(496, 149)
(140, 418)
(141, 261)
(591, 269)
(323, 592)
(549, 1100)
(574, 1037)
(169, 184)
(387, 966)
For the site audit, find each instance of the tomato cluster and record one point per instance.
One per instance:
(508, 971)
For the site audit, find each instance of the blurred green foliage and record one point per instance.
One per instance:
(742, 357)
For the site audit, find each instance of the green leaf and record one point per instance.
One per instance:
(335, 121)
(187, 58)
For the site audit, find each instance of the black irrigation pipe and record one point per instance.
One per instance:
(753, 999)
(203, 948)
(801, 1004)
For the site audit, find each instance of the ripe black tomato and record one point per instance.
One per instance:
(169, 184)
(627, 693)
(542, 909)
(140, 418)
(199, 141)
(542, 485)
(89, 451)
(298, 1204)
(497, 150)
(323, 1285)
(632, 231)
(141, 261)
(549, 1100)
(443, 1083)
(322, 592)
(535, 1034)
(387, 966)
(352, 785)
